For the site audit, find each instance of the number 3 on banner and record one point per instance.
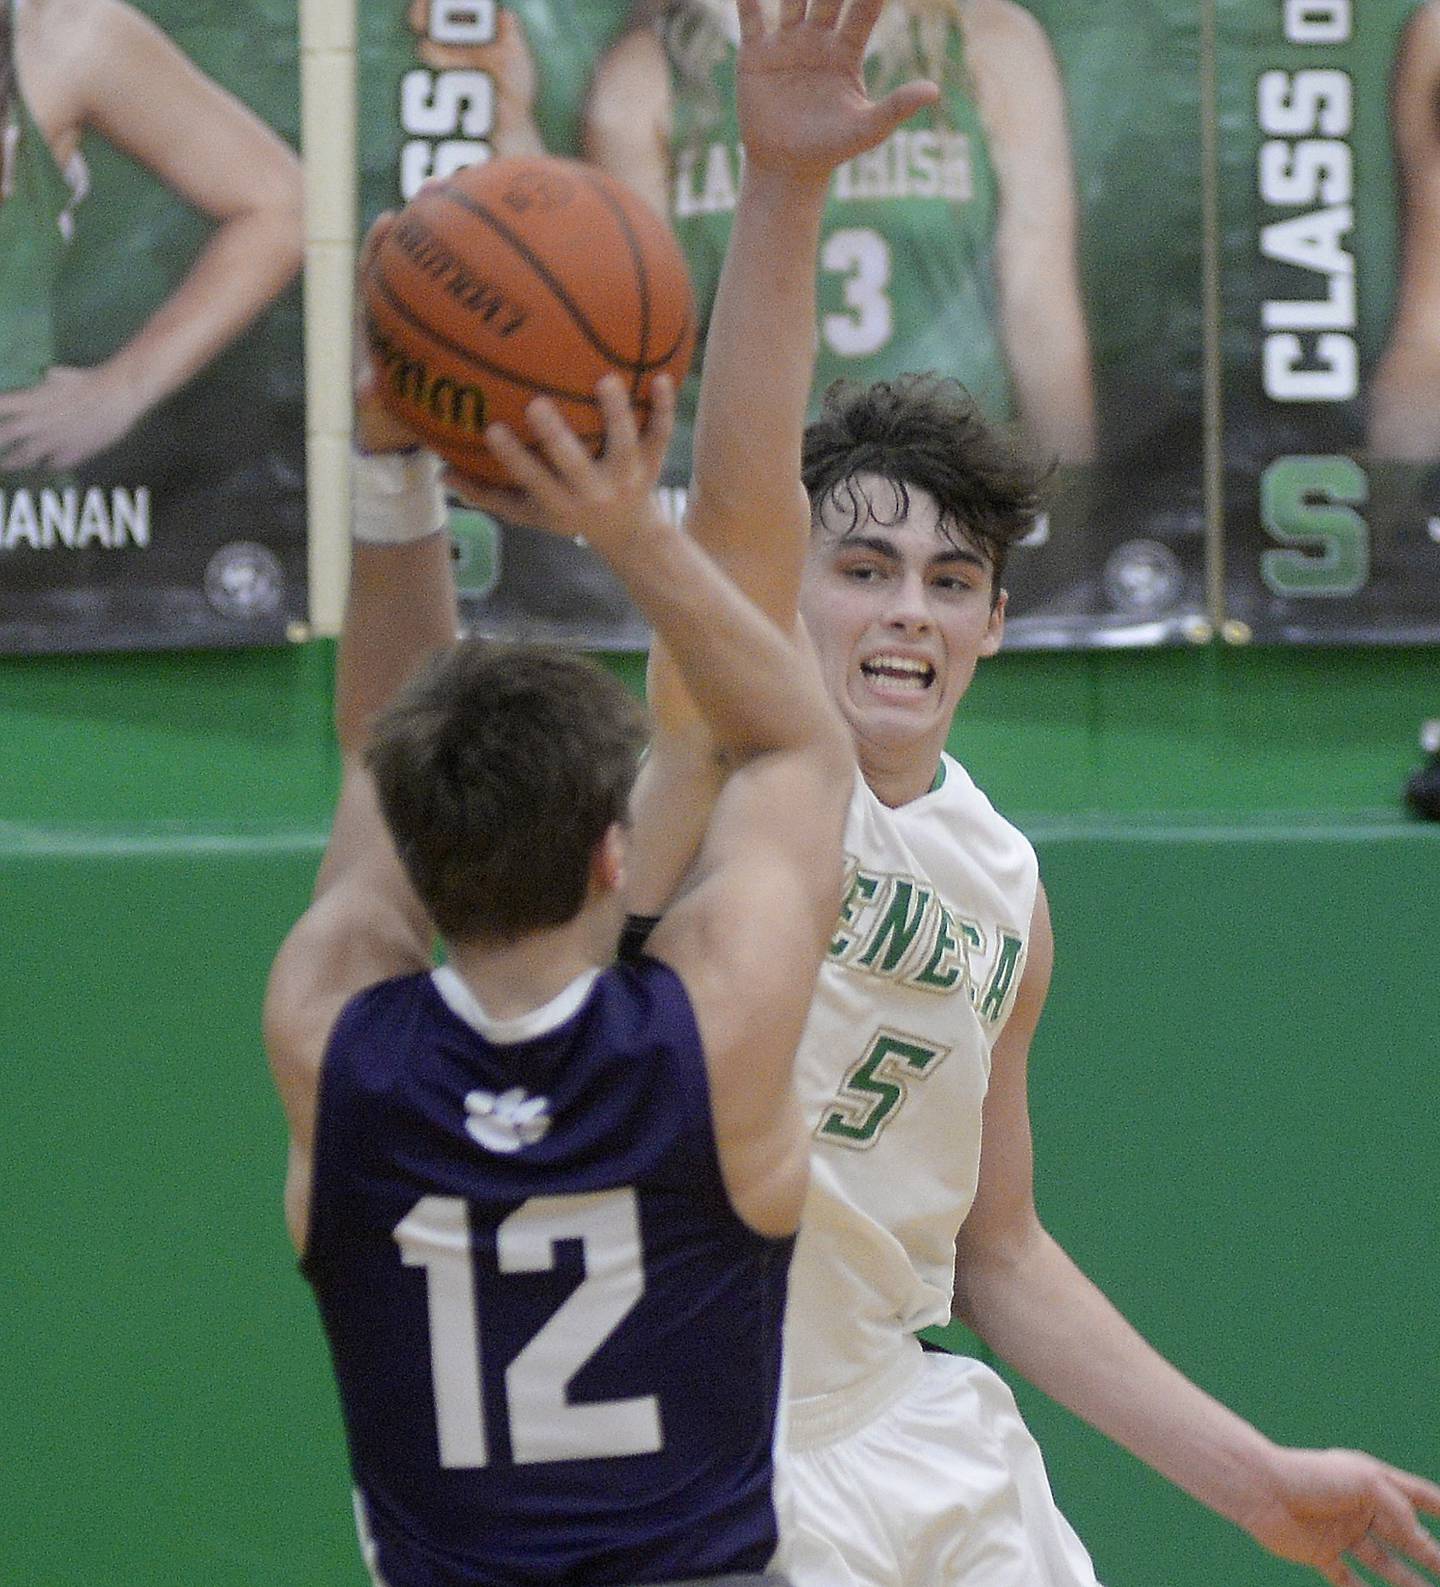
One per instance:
(862, 257)
(435, 1235)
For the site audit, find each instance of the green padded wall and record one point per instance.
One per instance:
(1235, 1089)
(1235, 1098)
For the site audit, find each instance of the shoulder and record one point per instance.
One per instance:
(79, 50)
(1017, 78)
(86, 30)
(968, 800)
(1004, 35)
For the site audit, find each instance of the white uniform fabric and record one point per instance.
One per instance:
(909, 1470)
(893, 1068)
(945, 1488)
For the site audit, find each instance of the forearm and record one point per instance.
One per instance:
(1048, 351)
(748, 507)
(1041, 1314)
(246, 264)
(401, 607)
(751, 687)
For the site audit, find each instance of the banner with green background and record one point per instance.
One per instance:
(1120, 556)
(1329, 147)
(188, 528)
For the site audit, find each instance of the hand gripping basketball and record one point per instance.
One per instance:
(525, 276)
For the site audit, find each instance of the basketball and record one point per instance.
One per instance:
(525, 276)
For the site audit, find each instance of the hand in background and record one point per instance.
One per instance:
(67, 418)
(801, 92)
(507, 58)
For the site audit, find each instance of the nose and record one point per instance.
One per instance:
(909, 608)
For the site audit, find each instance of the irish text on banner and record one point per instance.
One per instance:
(1035, 236)
(152, 484)
(1330, 193)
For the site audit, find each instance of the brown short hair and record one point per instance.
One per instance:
(499, 769)
(922, 432)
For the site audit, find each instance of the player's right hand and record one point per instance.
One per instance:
(562, 489)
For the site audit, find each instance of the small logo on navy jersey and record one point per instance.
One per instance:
(509, 1121)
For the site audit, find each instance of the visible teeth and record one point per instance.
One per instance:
(899, 669)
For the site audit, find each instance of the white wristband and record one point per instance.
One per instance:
(397, 496)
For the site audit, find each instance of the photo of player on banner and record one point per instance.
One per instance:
(149, 219)
(1330, 214)
(999, 239)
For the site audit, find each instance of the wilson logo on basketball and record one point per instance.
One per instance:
(523, 276)
(409, 379)
(430, 255)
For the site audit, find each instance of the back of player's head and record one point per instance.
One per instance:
(921, 432)
(499, 769)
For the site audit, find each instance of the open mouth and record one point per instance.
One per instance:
(898, 672)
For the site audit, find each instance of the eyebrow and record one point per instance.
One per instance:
(883, 548)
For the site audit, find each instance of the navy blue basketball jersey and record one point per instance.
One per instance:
(558, 1348)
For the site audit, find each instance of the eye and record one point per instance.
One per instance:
(861, 572)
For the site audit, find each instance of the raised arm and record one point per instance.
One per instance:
(109, 69)
(1042, 321)
(1019, 1291)
(364, 922)
(1405, 397)
(748, 938)
(628, 112)
(803, 111)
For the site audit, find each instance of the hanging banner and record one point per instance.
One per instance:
(1122, 558)
(1036, 237)
(443, 83)
(1330, 206)
(152, 483)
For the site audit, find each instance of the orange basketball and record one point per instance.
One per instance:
(525, 276)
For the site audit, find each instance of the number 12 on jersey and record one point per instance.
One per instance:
(435, 1235)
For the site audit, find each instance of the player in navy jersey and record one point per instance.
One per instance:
(547, 1204)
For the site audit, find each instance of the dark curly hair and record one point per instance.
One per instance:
(921, 432)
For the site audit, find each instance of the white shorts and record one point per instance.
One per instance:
(943, 1487)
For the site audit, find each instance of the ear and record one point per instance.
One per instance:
(607, 863)
(995, 628)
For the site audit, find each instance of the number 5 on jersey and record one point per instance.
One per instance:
(876, 1088)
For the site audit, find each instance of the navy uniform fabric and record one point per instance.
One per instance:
(557, 1346)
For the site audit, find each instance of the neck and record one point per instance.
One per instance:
(513, 978)
(895, 779)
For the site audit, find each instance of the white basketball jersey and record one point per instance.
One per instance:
(893, 1067)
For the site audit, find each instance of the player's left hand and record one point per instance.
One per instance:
(68, 417)
(1335, 1508)
(561, 488)
(800, 88)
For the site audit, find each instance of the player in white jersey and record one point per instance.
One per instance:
(915, 1470)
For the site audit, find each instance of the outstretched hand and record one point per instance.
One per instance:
(801, 90)
(561, 488)
(1334, 1507)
